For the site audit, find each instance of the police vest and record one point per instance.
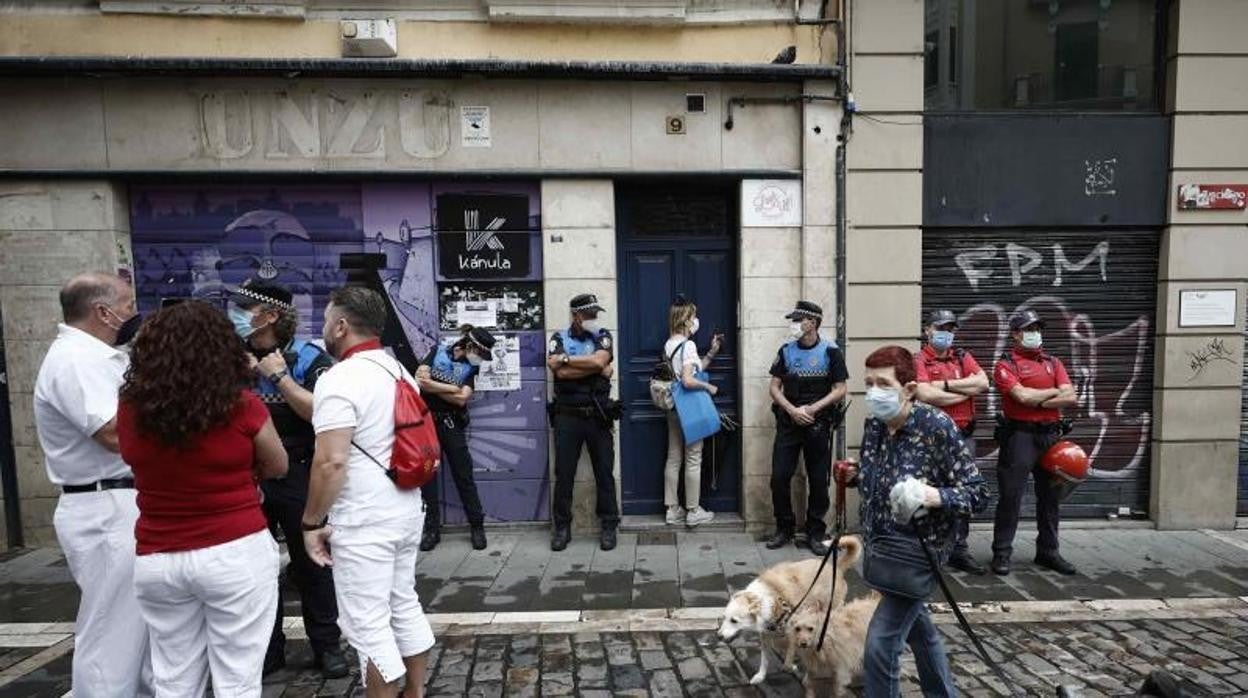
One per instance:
(581, 389)
(808, 372)
(295, 432)
(443, 368)
(305, 353)
(446, 369)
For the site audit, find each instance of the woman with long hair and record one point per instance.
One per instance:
(447, 377)
(682, 353)
(198, 441)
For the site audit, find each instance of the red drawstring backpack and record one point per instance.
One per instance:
(416, 453)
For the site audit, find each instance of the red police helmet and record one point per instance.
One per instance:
(1067, 463)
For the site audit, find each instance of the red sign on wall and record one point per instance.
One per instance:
(1213, 196)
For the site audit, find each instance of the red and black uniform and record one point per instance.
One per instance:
(930, 367)
(1024, 436)
(954, 365)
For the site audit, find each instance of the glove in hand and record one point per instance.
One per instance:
(906, 500)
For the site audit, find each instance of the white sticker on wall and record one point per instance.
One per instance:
(474, 127)
(771, 203)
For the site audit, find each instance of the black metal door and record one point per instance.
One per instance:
(1097, 290)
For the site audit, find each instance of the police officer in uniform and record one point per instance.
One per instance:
(447, 377)
(286, 373)
(807, 385)
(580, 358)
(950, 378)
(1034, 389)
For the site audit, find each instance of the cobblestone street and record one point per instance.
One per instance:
(1094, 658)
(518, 621)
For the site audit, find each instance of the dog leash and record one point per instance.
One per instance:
(957, 612)
(841, 477)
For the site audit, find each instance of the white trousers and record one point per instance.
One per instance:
(96, 533)
(375, 582)
(692, 456)
(210, 610)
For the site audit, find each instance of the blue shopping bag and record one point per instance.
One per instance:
(699, 418)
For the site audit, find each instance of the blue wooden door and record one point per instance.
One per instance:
(675, 238)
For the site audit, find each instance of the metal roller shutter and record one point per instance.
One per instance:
(1097, 291)
(1242, 509)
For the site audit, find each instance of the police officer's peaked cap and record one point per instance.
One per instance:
(586, 302)
(481, 337)
(805, 309)
(1026, 318)
(252, 292)
(942, 317)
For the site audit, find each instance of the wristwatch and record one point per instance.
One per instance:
(314, 527)
(277, 377)
(946, 385)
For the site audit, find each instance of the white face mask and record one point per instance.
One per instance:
(474, 359)
(795, 330)
(1032, 340)
(693, 326)
(884, 403)
(592, 326)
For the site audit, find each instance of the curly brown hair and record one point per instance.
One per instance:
(187, 373)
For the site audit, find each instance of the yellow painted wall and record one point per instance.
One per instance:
(160, 36)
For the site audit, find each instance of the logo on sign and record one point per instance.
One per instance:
(476, 238)
(471, 229)
(772, 203)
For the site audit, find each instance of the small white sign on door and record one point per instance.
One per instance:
(1208, 307)
(474, 127)
(771, 203)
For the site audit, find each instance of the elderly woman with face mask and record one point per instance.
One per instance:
(447, 377)
(917, 478)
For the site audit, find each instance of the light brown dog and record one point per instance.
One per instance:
(767, 601)
(830, 670)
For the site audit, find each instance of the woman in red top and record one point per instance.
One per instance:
(198, 440)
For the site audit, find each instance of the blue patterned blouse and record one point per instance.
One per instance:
(928, 448)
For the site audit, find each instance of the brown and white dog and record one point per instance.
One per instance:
(762, 606)
(840, 660)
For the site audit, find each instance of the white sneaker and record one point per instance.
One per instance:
(698, 516)
(675, 515)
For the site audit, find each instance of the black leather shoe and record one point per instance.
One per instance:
(607, 539)
(333, 663)
(429, 539)
(967, 564)
(274, 660)
(560, 539)
(1000, 565)
(817, 547)
(779, 539)
(1055, 562)
(478, 537)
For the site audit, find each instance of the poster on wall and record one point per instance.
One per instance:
(474, 127)
(515, 305)
(483, 236)
(503, 372)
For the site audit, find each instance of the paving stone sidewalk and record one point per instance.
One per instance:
(674, 569)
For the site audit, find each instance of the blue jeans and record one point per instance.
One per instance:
(897, 622)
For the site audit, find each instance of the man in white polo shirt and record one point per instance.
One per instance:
(376, 527)
(75, 413)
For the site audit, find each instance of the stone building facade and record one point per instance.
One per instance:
(628, 146)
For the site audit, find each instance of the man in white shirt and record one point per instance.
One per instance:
(376, 526)
(75, 413)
